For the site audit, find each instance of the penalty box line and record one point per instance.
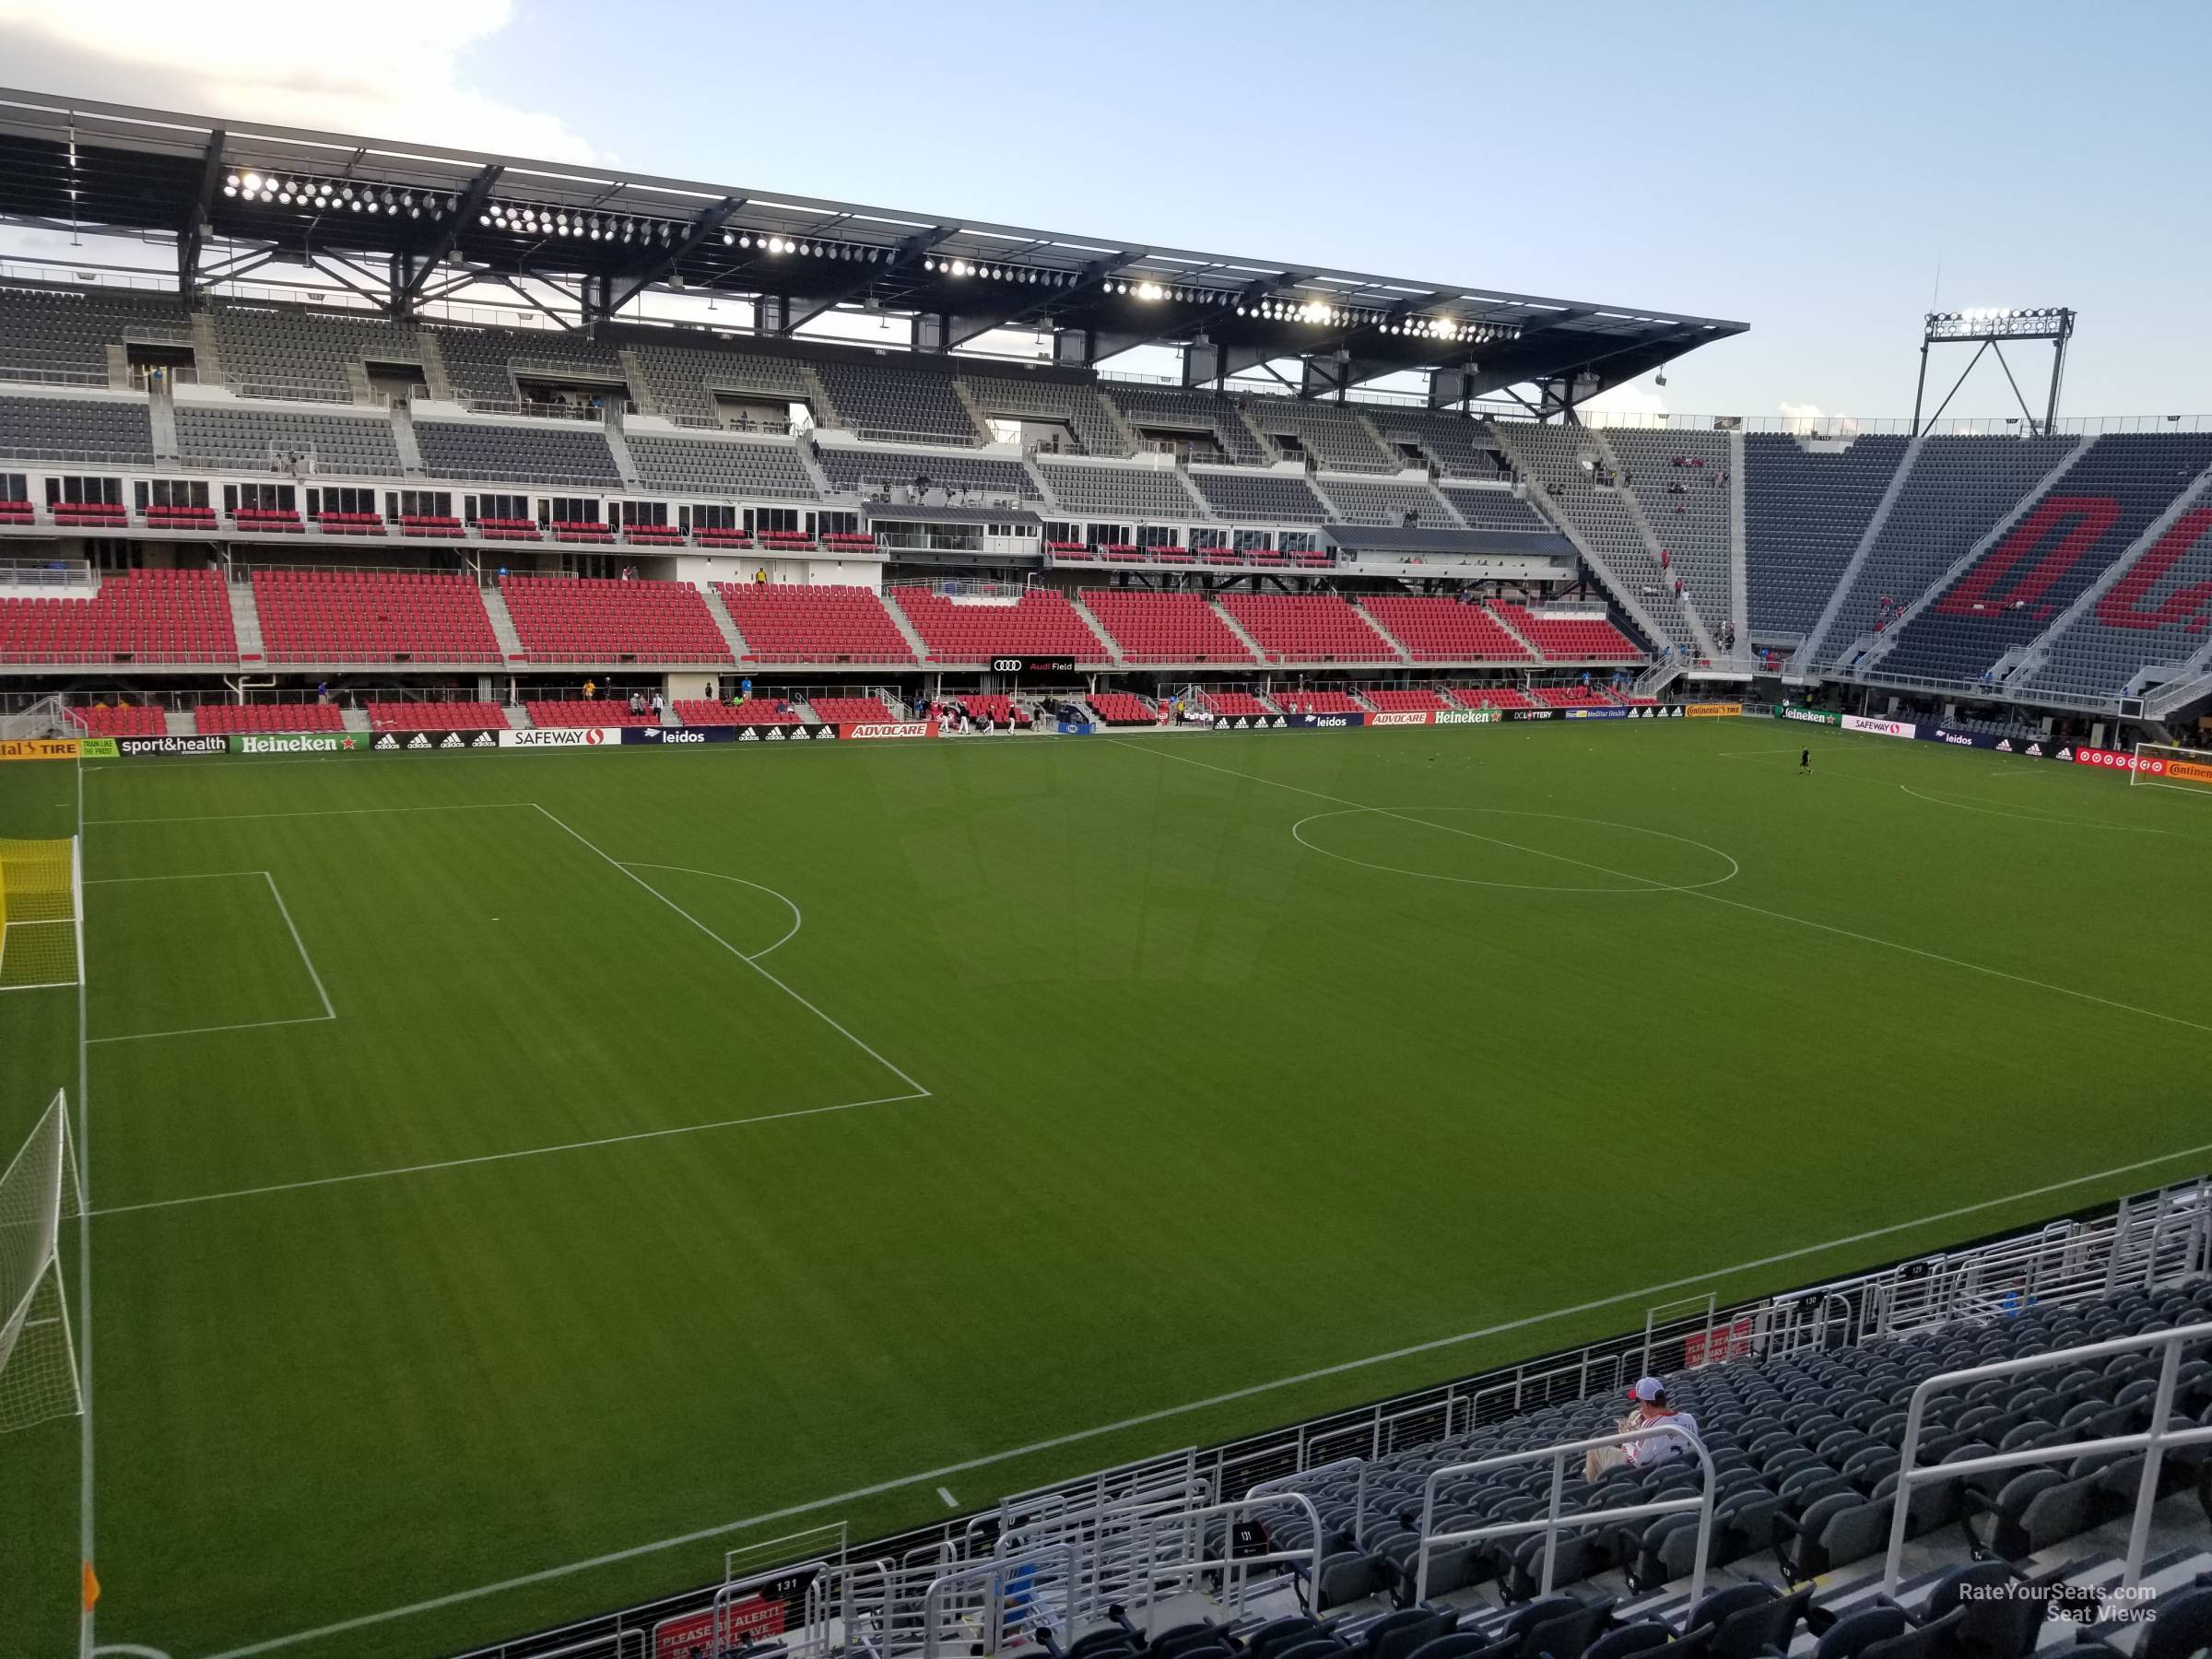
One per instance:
(283, 910)
(1709, 898)
(1166, 1413)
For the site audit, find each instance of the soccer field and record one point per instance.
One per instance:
(503, 1162)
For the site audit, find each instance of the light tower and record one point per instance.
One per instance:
(1987, 331)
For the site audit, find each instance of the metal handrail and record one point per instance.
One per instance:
(1552, 1521)
(1232, 1562)
(994, 1571)
(2152, 1442)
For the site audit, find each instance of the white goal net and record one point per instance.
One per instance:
(2168, 766)
(37, 1360)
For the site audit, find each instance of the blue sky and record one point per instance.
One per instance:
(1802, 168)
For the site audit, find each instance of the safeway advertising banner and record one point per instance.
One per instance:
(1712, 710)
(1402, 717)
(1880, 728)
(298, 743)
(562, 737)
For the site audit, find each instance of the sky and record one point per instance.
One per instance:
(1827, 173)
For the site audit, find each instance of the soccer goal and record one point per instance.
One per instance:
(2168, 766)
(42, 914)
(37, 1360)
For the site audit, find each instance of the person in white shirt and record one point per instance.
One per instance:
(1647, 1407)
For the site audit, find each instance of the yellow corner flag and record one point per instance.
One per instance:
(91, 1587)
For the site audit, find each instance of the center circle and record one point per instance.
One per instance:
(1581, 859)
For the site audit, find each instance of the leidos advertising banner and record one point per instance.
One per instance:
(1880, 728)
(298, 743)
(1998, 745)
(1323, 723)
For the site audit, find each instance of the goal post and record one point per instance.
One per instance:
(37, 1357)
(42, 913)
(2171, 766)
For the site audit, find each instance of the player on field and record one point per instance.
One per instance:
(1805, 760)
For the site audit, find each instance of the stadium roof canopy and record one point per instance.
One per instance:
(404, 224)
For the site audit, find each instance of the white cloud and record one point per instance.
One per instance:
(1634, 397)
(1807, 417)
(399, 74)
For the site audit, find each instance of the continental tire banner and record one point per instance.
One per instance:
(1465, 717)
(1712, 710)
(888, 728)
(1403, 717)
(41, 749)
(427, 743)
(562, 737)
(298, 743)
(129, 746)
(1810, 716)
(1249, 723)
(1878, 728)
(2195, 772)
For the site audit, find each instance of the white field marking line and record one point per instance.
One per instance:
(950, 1501)
(797, 920)
(1145, 1418)
(83, 1150)
(2034, 814)
(1734, 869)
(740, 955)
(236, 817)
(131, 1649)
(1755, 910)
(299, 945)
(486, 1157)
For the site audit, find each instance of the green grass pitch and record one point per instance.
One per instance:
(550, 1196)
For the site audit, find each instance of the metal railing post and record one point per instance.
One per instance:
(2154, 1455)
(1551, 1518)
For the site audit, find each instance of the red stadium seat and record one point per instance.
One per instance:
(598, 619)
(371, 616)
(1164, 628)
(1307, 628)
(788, 623)
(162, 616)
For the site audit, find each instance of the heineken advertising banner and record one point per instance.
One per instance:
(300, 743)
(1810, 716)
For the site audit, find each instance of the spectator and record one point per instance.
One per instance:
(591, 690)
(1647, 1408)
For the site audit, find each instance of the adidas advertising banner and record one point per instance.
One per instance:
(1323, 723)
(1810, 716)
(1249, 723)
(1407, 717)
(562, 737)
(1465, 717)
(783, 734)
(426, 743)
(300, 743)
(2036, 749)
(1656, 712)
(1880, 728)
(1712, 710)
(128, 746)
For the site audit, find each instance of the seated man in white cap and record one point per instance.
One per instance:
(1647, 1408)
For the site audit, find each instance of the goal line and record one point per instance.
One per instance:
(42, 913)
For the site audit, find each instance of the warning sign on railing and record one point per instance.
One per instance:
(1723, 1342)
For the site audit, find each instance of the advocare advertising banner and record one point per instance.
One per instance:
(1403, 717)
(888, 728)
(300, 743)
(1878, 728)
(427, 743)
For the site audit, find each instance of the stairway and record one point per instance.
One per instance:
(403, 440)
(1075, 602)
(503, 624)
(906, 628)
(1236, 628)
(245, 621)
(162, 419)
(618, 445)
(724, 621)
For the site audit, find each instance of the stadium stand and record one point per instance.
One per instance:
(1370, 502)
(217, 719)
(1060, 397)
(1571, 697)
(1683, 482)
(1164, 628)
(1170, 408)
(1444, 630)
(587, 712)
(591, 619)
(788, 623)
(1041, 623)
(2045, 561)
(62, 335)
(1258, 497)
(1122, 708)
(142, 616)
(1405, 701)
(250, 440)
(721, 466)
(482, 363)
(1959, 490)
(435, 717)
(1558, 455)
(98, 720)
(1488, 696)
(1456, 446)
(1235, 705)
(1493, 508)
(869, 471)
(545, 452)
(1331, 435)
(681, 380)
(1805, 509)
(1570, 637)
(1145, 493)
(1317, 702)
(77, 429)
(371, 616)
(889, 399)
(2154, 614)
(996, 707)
(288, 351)
(852, 710)
(1307, 628)
(757, 710)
